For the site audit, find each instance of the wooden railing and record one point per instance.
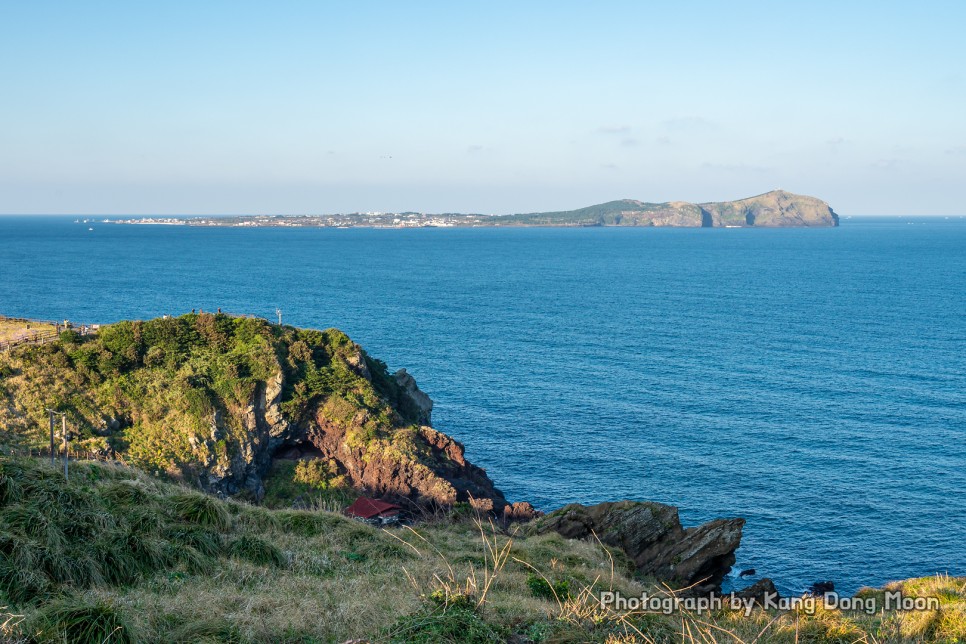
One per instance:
(42, 336)
(37, 338)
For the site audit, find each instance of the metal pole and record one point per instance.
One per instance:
(66, 453)
(51, 413)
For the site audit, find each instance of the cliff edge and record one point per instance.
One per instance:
(772, 209)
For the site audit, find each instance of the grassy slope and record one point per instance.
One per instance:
(116, 555)
(625, 212)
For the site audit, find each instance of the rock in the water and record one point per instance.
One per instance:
(652, 536)
(822, 588)
(750, 572)
(759, 590)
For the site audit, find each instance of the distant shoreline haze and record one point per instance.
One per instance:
(775, 209)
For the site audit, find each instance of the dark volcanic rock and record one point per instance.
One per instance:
(652, 536)
(822, 588)
(759, 590)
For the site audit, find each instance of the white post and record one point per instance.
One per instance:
(66, 453)
(51, 413)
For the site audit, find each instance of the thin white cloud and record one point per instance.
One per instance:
(690, 124)
(734, 167)
(890, 164)
(614, 129)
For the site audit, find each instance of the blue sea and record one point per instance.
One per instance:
(812, 381)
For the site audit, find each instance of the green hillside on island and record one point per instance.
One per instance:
(213, 456)
(772, 209)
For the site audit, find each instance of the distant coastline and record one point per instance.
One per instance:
(776, 209)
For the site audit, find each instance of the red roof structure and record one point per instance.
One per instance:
(371, 509)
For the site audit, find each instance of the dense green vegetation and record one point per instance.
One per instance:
(175, 395)
(307, 484)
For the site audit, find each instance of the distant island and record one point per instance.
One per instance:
(775, 209)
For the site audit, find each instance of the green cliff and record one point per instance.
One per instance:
(239, 406)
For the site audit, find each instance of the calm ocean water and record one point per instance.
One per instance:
(812, 381)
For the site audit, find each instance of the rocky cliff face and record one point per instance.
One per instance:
(410, 463)
(652, 536)
(772, 209)
(412, 399)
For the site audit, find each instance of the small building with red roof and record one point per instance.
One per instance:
(373, 510)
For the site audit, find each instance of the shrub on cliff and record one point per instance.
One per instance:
(76, 619)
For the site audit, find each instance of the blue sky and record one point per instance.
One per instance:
(313, 107)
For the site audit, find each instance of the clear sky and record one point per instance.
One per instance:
(317, 107)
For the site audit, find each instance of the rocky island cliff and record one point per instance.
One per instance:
(774, 209)
(243, 408)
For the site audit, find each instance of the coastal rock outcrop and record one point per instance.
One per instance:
(222, 401)
(428, 470)
(651, 535)
(758, 591)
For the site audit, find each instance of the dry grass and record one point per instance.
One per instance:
(300, 576)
